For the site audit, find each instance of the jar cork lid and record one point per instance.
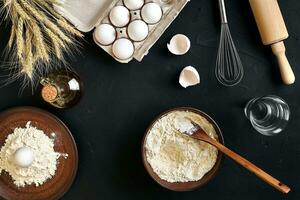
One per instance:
(49, 93)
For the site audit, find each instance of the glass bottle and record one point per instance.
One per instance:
(61, 88)
(268, 115)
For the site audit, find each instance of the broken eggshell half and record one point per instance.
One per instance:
(179, 44)
(189, 76)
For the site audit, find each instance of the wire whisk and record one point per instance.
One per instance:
(229, 68)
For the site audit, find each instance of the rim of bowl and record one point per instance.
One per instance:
(184, 186)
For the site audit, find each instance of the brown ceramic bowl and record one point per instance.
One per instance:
(188, 186)
(58, 185)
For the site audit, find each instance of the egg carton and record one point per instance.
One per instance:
(86, 15)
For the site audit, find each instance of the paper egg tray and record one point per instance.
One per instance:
(93, 13)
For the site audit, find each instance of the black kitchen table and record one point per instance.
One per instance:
(120, 100)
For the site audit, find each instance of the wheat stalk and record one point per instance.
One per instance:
(60, 20)
(58, 44)
(39, 32)
(40, 16)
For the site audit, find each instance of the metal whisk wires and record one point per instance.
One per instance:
(229, 68)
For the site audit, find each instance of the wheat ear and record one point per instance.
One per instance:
(43, 18)
(20, 39)
(60, 20)
(12, 35)
(38, 39)
(7, 3)
(28, 65)
(18, 9)
(39, 33)
(57, 43)
(59, 2)
(13, 29)
(65, 25)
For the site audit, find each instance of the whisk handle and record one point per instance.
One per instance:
(223, 12)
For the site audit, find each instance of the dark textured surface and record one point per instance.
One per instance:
(121, 100)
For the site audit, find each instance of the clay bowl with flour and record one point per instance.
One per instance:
(184, 186)
(52, 189)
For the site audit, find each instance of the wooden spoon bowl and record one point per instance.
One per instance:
(192, 185)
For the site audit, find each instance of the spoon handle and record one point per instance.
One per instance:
(247, 164)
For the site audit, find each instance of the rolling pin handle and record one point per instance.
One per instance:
(286, 71)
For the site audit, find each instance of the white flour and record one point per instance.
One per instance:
(176, 157)
(45, 158)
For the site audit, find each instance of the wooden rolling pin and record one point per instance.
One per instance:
(273, 31)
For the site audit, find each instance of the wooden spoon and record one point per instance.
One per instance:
(196, 132)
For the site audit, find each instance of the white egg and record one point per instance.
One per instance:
(133, 4)
(151, 13)
(138, 30)
(24, 157)
(123, 48)
(119, 16)
(105, 34)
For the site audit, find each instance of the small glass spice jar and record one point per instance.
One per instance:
(61, 89)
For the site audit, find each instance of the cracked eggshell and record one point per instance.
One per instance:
(179, 44)
(189, 76)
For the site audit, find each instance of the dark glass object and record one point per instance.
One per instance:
(61, 89)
